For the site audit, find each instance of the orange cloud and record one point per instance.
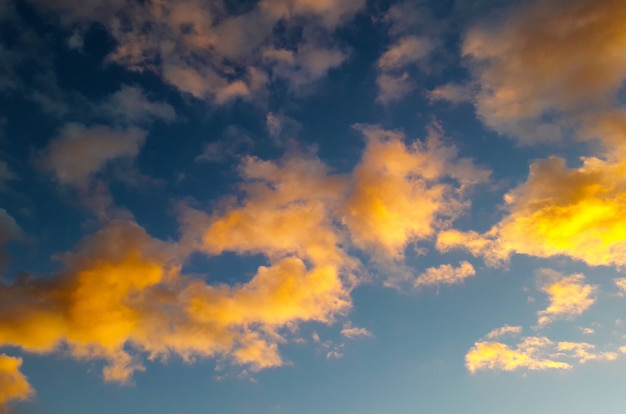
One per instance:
(121, 296)
(569, 296)
(13, 384)
(398, 195)
(445, 275)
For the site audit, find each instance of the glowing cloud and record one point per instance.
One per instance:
(529, 354)
(13, 384)
(398, 195)
(121, 296)
(532, 353)
(558, 211)
(569, 296)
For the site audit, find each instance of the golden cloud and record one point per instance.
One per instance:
(121, 296)
(532, 353)
(569, 296)
(558, 211)
(13, 384)
(398, 195)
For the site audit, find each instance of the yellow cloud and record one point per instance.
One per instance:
(498, 356)
(558, 211)
(532, 353)
(585, 352)
(445, 275)
(13, 384)
(569, 296)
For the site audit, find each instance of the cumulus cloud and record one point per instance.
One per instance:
(398, 194)
(445, 275)
(569, 296)
(121, 296)
(558, 211)
(13, 384)
(532, 353)
(533, 73)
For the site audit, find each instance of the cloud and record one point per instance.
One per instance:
(445, 275)
(452, 92)
(393, 87)
(78, 152)
(213, 53)
(529, 354)
(558, 211)
(569, 296)
(532, 353)
(405, 51)
(621, 285)
(120, 297)
(352, 332)
(415, 38)
(398, 194)
(505, 330)
(129, 105)
(13, 384)
(535, 78)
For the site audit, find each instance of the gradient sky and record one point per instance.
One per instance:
(312, 206)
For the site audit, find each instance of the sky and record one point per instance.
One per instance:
(312, 206)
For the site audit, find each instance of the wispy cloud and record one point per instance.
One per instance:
(350, 331)
(532, 353)
(445, 275)
(503, 331)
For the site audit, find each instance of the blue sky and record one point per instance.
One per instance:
(312, 206)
